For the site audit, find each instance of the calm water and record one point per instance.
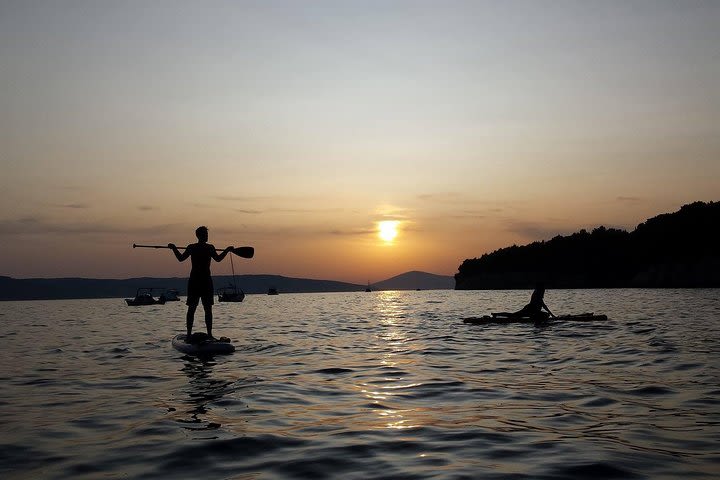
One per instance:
(365, 385)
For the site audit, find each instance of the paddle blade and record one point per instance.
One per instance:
(244, 252)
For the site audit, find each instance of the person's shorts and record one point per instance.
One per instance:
(200, 289)
(207, 300)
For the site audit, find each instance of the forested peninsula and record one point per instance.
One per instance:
(672, 250)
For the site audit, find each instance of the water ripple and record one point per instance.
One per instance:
(367, 386)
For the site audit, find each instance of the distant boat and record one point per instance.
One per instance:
(170, 295)
(230, 294)
(272, 291)
(144, 297)
(368, 289)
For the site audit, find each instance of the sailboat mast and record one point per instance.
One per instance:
(233, 272)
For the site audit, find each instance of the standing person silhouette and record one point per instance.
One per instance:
(532, 310)
(200, 284)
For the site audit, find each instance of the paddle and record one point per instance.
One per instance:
(244, 252)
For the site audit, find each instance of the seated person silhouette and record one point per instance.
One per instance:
(532, 310)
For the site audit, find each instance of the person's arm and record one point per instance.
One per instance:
(548, 310)
(219, 258)
(180, 256)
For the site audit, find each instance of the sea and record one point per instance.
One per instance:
(374, 385)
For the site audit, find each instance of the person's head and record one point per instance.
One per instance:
(540, 288)
(202, 233)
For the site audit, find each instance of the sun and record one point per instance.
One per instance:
(387, 230)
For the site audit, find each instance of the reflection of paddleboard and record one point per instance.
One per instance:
(487, 320)
(200, 345)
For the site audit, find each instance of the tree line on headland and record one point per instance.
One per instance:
(672, 250)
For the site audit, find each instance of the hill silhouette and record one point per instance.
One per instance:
(69, 288)
(677, 249)
(414, 280)
(72, 288)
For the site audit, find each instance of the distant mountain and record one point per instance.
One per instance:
(69, 288)
(673, 250)
(60, 288)
(416, 280)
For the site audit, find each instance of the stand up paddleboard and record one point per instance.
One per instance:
(488, 320)
(200, 345)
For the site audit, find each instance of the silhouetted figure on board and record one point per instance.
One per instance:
(532, 310)
(200, 284)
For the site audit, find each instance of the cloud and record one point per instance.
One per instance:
(443, 197)
(71, 188)
(460, 200)
(295, 232)
(391, 212)
(466, 216)
(476, 213)
(390, 216)
(73, 206)
(352, 233)
(535, 231)
(263, 198)
(146, 208)
(34, 225)
(267, 199)
(462, 214)
(39, 226)
(241, 198)
(250, 212)
(286, 210)
(283, 232)
(632, 200)
(305, 210)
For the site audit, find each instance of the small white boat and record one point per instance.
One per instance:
(144, 297)
(230, 294)
(170, 295)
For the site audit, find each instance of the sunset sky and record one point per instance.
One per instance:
(297, 126)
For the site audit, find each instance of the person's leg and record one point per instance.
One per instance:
(192, 303)
(207, 301)
(519, 314)
(526, 312)
(190, 318)
(208, 319)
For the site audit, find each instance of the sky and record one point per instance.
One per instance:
(297, 127)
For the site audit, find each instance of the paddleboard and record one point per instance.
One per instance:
(200, 346)
(488, 320)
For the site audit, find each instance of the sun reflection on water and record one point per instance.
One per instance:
(390, 310)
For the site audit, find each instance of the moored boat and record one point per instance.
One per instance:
(230, 294)
(170, 295)
(143, 296)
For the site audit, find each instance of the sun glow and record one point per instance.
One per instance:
(387, 230)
